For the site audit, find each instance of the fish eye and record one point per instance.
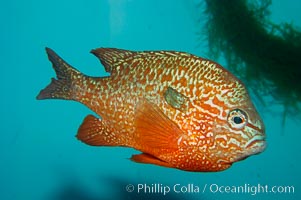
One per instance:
(237, 118)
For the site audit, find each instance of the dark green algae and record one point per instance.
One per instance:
(266, 56)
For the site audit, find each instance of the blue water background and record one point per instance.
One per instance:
(40, 158)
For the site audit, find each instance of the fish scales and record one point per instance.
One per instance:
(179, 110)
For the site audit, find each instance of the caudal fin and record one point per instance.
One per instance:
(63, 86)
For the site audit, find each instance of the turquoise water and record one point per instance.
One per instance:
(40, 158)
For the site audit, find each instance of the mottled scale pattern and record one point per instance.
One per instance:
(212, 140)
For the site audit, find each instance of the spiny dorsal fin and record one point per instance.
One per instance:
(111, 57)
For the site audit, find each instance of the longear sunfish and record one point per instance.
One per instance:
(181, 111)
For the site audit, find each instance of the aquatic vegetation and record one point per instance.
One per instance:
(266, 56)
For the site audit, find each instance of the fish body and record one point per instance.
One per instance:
(179, 110)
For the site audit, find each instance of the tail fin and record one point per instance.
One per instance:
(62, 87)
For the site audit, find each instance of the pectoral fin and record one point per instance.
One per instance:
(148, 159)
(154, 129)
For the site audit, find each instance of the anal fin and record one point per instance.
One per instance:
(149, 159)
(95, 132)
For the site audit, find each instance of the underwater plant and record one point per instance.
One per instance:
(266, 56)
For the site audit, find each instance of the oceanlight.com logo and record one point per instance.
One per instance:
(158, 188)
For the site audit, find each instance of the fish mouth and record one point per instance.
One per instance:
(256, 145)
(255, 141)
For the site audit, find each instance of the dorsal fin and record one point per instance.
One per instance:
(112, 57)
